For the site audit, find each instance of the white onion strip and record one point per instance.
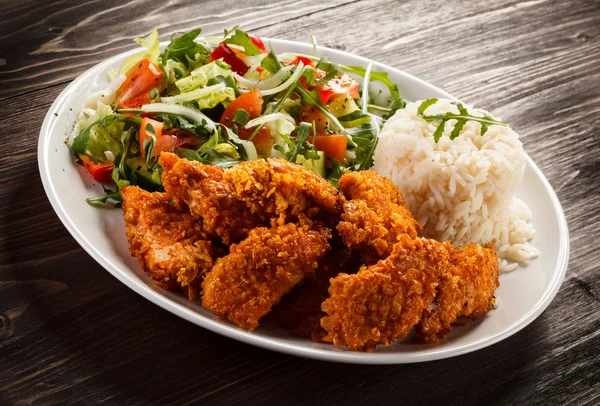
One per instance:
(265, 84)
(194, 94)
(297, 73)
(268, 118)
(182, 111)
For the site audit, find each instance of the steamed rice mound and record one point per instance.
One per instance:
(460, 190)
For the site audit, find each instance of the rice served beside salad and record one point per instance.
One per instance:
(461, 186)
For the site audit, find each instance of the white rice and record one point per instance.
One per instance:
(460, 190)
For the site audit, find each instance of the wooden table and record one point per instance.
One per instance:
(70, 333)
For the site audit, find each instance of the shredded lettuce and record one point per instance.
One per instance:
(101, 136)
(151, 43)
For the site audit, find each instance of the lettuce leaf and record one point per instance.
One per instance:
(151, 43)
(185, 50)
(200, 76)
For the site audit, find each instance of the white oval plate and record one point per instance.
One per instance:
(523, 294)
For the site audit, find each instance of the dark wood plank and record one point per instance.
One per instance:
(72, 334)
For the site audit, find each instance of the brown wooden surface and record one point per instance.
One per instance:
(70, 333)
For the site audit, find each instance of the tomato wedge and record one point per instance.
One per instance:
(251, 102)
(101, 172)
(140, 80)
(344, 84)
(258, 42)
(172, 139)
(312, 113)
(333, 145)
(226, 54)
(158, 127)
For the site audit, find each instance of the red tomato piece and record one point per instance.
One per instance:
(306, 61)
(344, 84)
(252, 102)
(158, 127)
(172, 139)
(140, 80)
(226, 54)
(333, 145)
(258, 42)
(101, 172)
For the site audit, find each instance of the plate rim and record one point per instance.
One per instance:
(230, 331)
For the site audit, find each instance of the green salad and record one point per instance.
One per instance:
(224, 100)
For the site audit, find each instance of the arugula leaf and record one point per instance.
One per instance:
(185, 50)
(379, 76)
(312, 97)
(271, 62)
(461, 118)
(242, 39)
(149, 145)
(240, 117)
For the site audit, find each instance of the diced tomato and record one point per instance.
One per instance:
(339, 86)
(158, 127)
(333, 145)
(251, 102)
(258, 42)
(141, 79)
(312, 113)
(172, 139)
(306, 61)
(136, 102)
(229, 57)
(101, 172)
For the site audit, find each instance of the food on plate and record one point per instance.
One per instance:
(465, 290)
(244, 285)
(374, 215)
(169, 244)
(279, 191)
(458, 170)
(384, 301)
(223, 101)
(300, 311)
(201, 189)
(245, 180)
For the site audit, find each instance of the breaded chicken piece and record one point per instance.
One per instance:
(244, 285)
(280, 191)
(374, 215)
(300, 311)
(201, 188)
(384, 301)
(466, 290)
(168, 242)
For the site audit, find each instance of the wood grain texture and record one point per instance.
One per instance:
(72, 334)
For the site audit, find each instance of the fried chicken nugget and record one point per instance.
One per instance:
(280, 191)
(300, 311)
(201, 188)
(384, 301)
(244, 285)
(168, 242)
(374, 215)
(466, 290)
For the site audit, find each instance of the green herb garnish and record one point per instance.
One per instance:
(461, 118)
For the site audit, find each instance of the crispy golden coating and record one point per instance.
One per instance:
(467, 289)
(244, 285)
(384, 301)
(280, 191)
(168, 242)
(300, 311)
(201, 188)
(374, 215)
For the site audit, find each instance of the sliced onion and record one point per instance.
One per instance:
(267, 83)
(268, 118)
(106, 95)
(250, 149)
(194, 94)
(287, 83)
(181, 110)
